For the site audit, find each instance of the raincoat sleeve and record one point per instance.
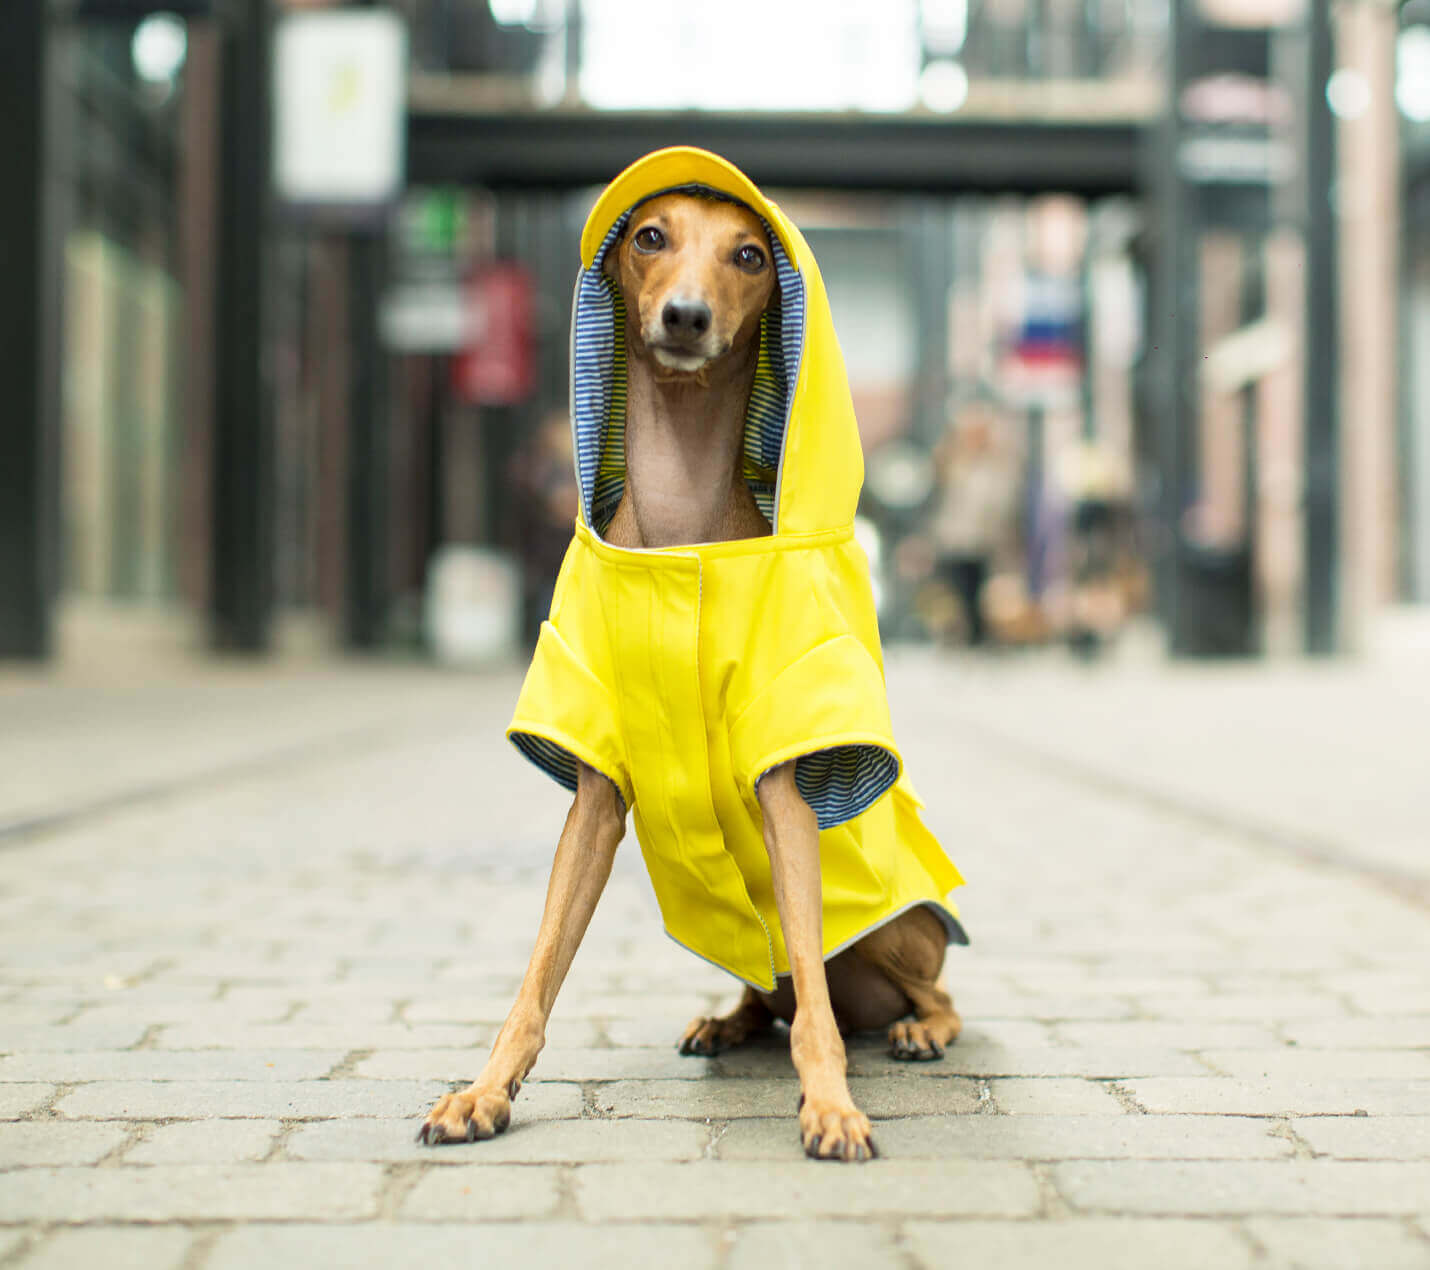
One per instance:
(565, 713)
(829, 711)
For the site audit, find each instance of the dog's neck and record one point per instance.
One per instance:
(684, 444)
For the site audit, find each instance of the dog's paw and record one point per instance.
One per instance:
(918, 1042)
(470, 1116)
(708, 1036)
(833, 1130)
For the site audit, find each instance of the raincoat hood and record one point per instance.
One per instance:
(684, 674)
(803, 460)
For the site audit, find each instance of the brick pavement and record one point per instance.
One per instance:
(224, 1005)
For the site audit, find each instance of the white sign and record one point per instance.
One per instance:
(339, 106)
(425, 317)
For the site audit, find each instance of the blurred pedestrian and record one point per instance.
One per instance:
(544, 477)
(1098, 489)
(975, 516)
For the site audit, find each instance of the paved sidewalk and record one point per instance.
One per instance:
(249, 928)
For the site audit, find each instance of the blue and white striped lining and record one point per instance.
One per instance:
(598, 384)
(556, 762)
(838, 783)
(845, 781)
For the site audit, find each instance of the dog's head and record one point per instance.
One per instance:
(696, 273)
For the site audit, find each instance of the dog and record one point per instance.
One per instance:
(691, 273)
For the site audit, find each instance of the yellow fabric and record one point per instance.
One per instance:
(685, 674)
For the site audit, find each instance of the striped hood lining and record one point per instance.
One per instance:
(598, 380)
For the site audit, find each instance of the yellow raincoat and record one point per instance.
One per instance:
(685, 673)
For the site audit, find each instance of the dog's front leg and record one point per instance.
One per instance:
(831, 1126)
(594, 827)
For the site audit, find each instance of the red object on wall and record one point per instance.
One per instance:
(497, 366)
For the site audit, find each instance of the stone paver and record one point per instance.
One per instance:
(830, 1245)
(1055, 1097)
(307, 1035)
(25, 1144)
(1225, 1096)
(1368, 1137)
(1412, 1032)
(1034, 1138)
(1307, 1065)
(1184, 1044)
(1145, 1033)
(484, 1192)
(1318, 1243)
(203, 1099)
(153, 1065)
(168, 1192)
(1349, 1189)
(113, 1247)
(20, 1100)
(554, 1064)
(383, 1245)
(616, 1192)
(204, 1142)
(1107, 1243)
(563, 1141)
(18, 1037)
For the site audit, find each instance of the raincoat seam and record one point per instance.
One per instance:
(705, 740)
(646, 557)
(720, 965)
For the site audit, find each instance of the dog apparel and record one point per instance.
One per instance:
(684, 674)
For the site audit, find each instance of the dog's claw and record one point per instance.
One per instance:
(467, 1117)
(918, 1042)
(841, 1133)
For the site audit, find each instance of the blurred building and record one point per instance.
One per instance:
(248, 412)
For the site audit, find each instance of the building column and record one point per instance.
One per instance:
(1321, 357)
(241, 592)
(367, 577)
(1368, 208)
(30, 245)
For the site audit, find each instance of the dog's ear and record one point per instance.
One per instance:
(773, 298)
(611, 263)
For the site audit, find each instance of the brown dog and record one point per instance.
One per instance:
(696, 275)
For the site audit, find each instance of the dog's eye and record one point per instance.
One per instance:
(750, 258)
(649, 239)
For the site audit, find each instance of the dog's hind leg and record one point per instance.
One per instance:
(710, 1035)
(909, 952)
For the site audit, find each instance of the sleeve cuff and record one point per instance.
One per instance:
(565, 715)
(829, 712)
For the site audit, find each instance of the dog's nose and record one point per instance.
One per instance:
(686, 317)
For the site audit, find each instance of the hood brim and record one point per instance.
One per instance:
(672, 168)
